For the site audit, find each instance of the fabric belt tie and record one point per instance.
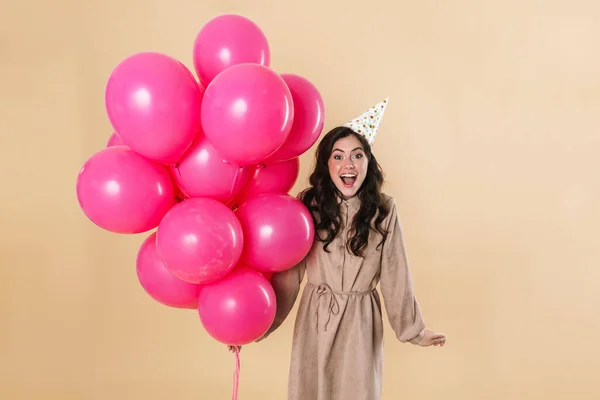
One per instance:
(333, 307)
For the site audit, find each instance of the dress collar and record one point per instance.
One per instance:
(352, 202)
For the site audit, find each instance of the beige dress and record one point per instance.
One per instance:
(338, 335)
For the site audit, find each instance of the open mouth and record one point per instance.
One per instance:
(348, 179)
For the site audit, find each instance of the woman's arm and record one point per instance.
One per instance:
(401, 304)
(287, 286)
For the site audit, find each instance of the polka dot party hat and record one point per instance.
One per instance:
(368, 122)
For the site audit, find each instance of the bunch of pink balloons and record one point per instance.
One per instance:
(208, 159)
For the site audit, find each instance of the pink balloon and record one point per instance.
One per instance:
(123, 192)
(278, 231)
(268, 275)
(114, 140)
(200, 240)
(153, 102)
(159, 283)
(272, 178)
(238, 309)
(247, 113)
(309, 118)
(228, 40)
(202, 172)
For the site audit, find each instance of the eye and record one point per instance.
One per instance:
(358, 155)
(336, 157)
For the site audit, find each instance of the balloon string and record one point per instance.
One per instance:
(236, 375)
(235, 180)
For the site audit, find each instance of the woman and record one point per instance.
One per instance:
(338, 336)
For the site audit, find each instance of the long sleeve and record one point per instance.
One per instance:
(396, 284)
(287, 286)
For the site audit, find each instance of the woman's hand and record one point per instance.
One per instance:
(432, 339)
(235, 349)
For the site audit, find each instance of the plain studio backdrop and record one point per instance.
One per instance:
(489, 144)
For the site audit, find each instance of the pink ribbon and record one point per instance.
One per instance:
(236, 375)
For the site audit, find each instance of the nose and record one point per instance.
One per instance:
(349, 163)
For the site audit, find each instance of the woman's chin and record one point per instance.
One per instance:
(348, 191)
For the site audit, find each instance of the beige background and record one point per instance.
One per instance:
(489, 144)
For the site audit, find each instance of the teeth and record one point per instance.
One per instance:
(348, 175)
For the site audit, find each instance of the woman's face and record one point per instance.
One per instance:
(348, 165)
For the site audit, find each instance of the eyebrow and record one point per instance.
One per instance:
(357, 148)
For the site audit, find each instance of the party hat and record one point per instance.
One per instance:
(368, 122)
